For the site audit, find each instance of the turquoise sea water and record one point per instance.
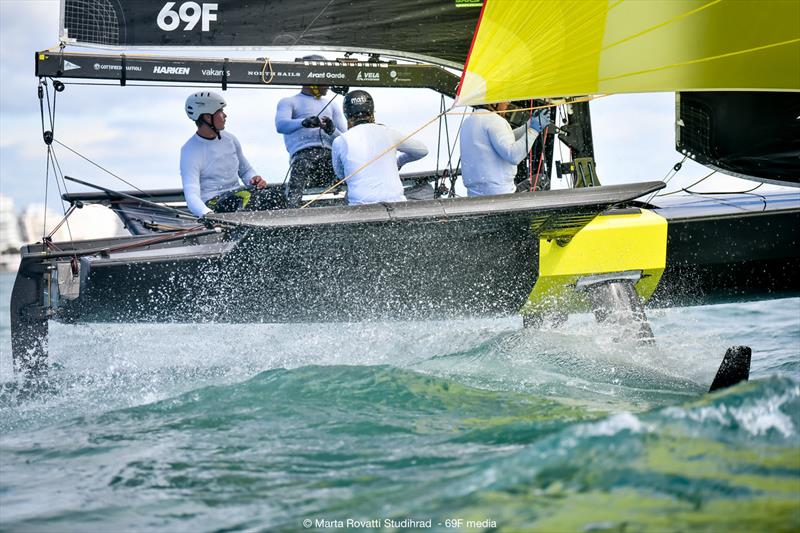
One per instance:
(470, 425)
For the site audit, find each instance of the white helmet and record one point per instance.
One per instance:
(203, 102)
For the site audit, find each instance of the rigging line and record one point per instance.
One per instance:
(312, 22)
(722, 200)
(560, 144)
(530, 154)
(267, 61)
(49, 111)
(689, 186)
(56, 172)
(53, 116)
(156, 240)
(46, 191)
(438, 145)
(449, 147)
(42, 87)
(178, 212)
(543, 138)
(319, 131)
(368, 163)
(453, 179)
(454, 172)
(103, 169)
(748, 191)
(667, 178)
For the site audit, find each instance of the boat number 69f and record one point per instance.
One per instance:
(189, 12)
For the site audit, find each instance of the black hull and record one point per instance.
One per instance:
(327, 273)
(727, 248)
(415, 260)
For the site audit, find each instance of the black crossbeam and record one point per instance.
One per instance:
(224, 72)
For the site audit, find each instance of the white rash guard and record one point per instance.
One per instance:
(210, 167)
(380, 180)
(289, 122)
(490, 152)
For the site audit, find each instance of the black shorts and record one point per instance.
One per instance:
(311, 167)
(248, 199)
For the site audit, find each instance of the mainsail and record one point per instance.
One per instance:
(547, 48)
(438, 31)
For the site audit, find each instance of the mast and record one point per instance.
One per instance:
(577, 134)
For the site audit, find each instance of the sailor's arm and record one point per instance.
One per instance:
(284, 122)
(502, 139)
(410, 150)
(339, 121)
(520, 131)
(190, 177)
(336, 154)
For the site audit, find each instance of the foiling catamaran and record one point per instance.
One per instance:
(591, 247)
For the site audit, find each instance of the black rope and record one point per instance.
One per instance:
(47, 135)
(454, 171)
(46, 193)
(686, 189)
(302, 34)
(722, 200)
(102, 168)
(667, 178)
(40, 93)
(449, 147)
(438, 148)
(748, 191)
(56, 173)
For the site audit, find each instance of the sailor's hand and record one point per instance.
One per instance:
(327, 125)
(540, 119)
(311, 122)
(258, 181)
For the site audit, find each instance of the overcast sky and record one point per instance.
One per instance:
(137, 132)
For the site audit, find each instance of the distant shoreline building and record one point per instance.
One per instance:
(10, 235)
(36, 220)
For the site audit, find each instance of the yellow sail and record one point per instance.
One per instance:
(547, 48)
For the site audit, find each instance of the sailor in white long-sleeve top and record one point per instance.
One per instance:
(215, 174)
(491, 150)
(357, 153)
(309, 123)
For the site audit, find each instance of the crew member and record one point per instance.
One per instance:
(367, 154)
(491, 150)
(309, 124)
(215, 174)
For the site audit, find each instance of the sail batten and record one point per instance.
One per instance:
(566, 48)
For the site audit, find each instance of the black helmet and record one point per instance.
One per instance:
(358, 104)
